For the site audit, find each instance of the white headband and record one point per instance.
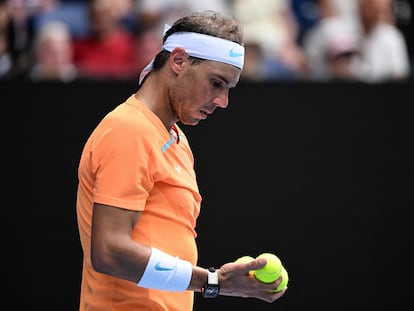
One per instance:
(204, 47)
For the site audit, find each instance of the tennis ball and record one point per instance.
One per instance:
(244, 259)
(285, 279)
(270, 272)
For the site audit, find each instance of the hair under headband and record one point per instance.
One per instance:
(204, 47)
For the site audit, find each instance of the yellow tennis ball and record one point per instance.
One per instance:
(245, 259)
(270, 272)
(285, 279)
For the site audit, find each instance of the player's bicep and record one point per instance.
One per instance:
(110, 233)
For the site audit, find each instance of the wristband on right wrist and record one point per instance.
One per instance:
(166, 272)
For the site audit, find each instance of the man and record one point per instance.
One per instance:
(383, 55)
(138, 199)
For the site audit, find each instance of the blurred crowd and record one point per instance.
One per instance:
(312, 40)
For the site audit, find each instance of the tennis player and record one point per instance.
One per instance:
(138, 199)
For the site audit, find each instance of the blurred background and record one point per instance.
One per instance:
(312, 40)
(312, 160)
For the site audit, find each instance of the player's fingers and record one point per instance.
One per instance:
(257, 263)
(271, 297)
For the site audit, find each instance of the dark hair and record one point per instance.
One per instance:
(206, 22)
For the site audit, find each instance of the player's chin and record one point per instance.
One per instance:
(193, 120)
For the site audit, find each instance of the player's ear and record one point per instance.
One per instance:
(177, 58)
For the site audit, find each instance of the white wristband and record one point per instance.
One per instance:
(166, 272)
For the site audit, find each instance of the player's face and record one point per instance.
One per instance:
(201, 88)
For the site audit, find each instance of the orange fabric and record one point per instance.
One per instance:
(130, 161)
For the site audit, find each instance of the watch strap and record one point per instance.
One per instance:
(211, 288)
(212, 278)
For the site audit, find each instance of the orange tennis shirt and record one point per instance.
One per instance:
(130, 161)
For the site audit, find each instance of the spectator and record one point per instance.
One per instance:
(258, 67)
(272, 25)
(20, 36)
(363, 47)
(383, 52)
(107, 52)
(73, 13)
(6, 61)
(338, 58)
(307, 14)
(53, 54)
(330, 47)
(167, 11)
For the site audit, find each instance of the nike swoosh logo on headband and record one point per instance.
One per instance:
(161, 268)
(235, 54)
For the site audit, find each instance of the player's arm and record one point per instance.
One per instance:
(113, 251)
(235, 280)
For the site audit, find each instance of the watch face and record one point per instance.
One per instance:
(211, 292)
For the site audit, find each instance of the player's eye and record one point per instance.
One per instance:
(216, 83)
